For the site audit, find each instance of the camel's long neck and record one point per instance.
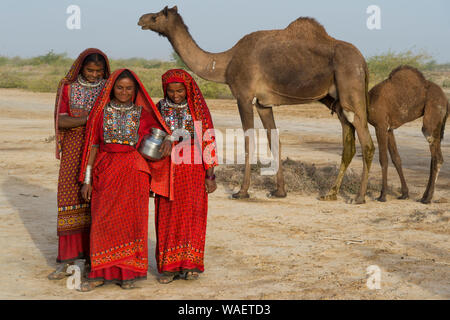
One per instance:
(209, 66)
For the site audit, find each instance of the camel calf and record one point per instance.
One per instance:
(405, 96)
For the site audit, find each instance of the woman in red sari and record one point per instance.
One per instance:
(76, 96)
(117, 182)
(181, 200)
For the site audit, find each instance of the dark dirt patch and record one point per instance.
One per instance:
(299, 176)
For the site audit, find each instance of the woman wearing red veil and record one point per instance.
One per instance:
(117, 181)
(76, 95)
(183, 180)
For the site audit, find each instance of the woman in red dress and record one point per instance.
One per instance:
(76, 96)
(117, 181)
(181, 196)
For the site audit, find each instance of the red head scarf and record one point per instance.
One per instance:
(199, 111)
(72, 76)
(141, 99)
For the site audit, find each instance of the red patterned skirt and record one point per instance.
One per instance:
(73, 212)
(73, 246)
(181, 223)
(119, 209)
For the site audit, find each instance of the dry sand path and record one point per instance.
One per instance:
(292, 248)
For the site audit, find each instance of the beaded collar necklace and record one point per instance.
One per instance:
(85, 83)
(121, 106)
(171, 104)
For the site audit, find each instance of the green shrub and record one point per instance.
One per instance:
(11, 80)
(138, 63)
(213, 90)
(179, 63)
(380, 66)
(46, 83)
(446, 83)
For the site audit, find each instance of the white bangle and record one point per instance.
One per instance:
(87, 176)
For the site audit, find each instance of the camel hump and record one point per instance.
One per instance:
(406, 72)
(307, 27)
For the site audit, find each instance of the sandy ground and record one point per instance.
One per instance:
(292, 248)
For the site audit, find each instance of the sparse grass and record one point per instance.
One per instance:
(42, 73)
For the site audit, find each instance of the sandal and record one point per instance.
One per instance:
(128, 285)
(191, 275)
(90, 285)
(59, 273)
(164, 279)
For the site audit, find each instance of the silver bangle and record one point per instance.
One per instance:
(87, 176)
(170, 138)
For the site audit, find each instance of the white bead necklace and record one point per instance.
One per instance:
(85, 83)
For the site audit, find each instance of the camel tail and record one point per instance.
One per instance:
(445, 120)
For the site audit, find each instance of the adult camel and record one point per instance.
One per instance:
(403, 97)
(297, 65)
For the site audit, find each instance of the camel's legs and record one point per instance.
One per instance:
(435, 166)
(382, 138)
(433, 121)
(348, 141)
(246, 114)
(268, 121)
(368, 149)
(354, 109)
(351, 81)
(397, 161)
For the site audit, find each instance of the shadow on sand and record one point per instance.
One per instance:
(36, 206)
(33, 203)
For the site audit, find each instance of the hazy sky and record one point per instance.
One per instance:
(30, 28)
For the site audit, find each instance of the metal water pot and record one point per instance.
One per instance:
(151, 143)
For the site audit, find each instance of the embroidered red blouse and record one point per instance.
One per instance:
(146, 123)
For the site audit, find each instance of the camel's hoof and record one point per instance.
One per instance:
(240, 195)
(403, 197)
(360, 201)
(425, 201)
(277, 194)
(381, 198)
(328, 197)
